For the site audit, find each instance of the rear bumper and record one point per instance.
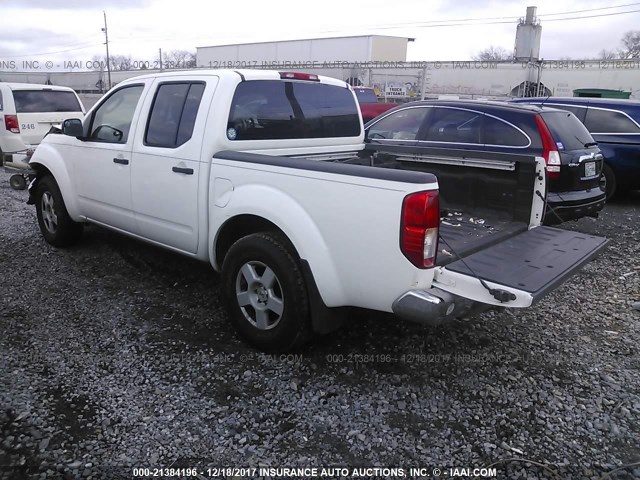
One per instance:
(14, 154)
(429, 307)
(16, 161)
(573, 205)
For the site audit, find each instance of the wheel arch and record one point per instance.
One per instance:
(47, 161)
(240, 226)
(323, 319)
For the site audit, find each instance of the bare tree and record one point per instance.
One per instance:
(607, 54)
(494, 54)
(120, 62)
(631, 44)
(179, 59)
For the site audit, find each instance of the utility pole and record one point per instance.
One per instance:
(106, 38)
(160, 57)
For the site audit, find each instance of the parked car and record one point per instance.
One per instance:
(369, 104)
(615, 125)
(441, 128)
(259, 174)
(28, 111)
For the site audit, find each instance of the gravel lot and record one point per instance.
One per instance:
(115, 354)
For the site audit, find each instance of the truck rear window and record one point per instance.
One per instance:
(273, 109)
(42, 101)
(365, 95)
(568, 132)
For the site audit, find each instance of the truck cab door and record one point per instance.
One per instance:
(167, 178)
(102, 160)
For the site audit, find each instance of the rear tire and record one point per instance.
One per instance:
(56, 225)
(266, 293)
(609, 181)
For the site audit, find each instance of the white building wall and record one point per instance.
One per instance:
(320, 50)
(388, 49)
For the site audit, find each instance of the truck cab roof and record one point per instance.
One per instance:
(243, 75)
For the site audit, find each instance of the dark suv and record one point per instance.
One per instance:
(574, 162)
(615, 125)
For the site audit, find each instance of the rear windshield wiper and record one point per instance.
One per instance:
(586, 144)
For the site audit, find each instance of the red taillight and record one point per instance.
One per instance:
(419, 228)
(550, 149)
(11, 123)
(299, 76)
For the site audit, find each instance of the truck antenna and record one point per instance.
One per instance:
(542, 104)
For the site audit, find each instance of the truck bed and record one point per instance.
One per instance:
(479, 207)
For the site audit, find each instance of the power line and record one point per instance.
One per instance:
(436, 23)
(428, 25)
(425, 24)
(589, 10)
(591, 16)
(510, 19)
(87, 45)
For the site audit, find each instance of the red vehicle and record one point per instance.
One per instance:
(369, 105)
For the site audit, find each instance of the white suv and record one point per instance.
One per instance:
(27, 112)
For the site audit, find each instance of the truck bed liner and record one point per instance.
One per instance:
(535, 261)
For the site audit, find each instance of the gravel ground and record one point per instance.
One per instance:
(116, 354)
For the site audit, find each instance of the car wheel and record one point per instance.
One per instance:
(17, 182)
(608, 181)
(266, 293)
(56, 225)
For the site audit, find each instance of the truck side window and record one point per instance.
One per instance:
(400, 125)
(173, 114)
(609, 121)
(111, 122)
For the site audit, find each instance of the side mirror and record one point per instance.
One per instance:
(73, 128)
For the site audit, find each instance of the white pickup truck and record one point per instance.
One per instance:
(265, 175)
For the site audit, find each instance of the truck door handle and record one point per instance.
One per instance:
(187, 171)
(121, 161)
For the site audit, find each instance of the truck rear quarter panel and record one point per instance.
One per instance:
(346, 227)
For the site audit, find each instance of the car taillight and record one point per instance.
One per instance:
(299, 76)
(11, 123)
(549, 149)
(419, 228)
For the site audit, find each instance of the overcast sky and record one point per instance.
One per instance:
(71, 29)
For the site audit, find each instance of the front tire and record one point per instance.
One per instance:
(56, 225)
(266, 293)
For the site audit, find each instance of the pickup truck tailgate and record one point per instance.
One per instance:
(529, 264)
